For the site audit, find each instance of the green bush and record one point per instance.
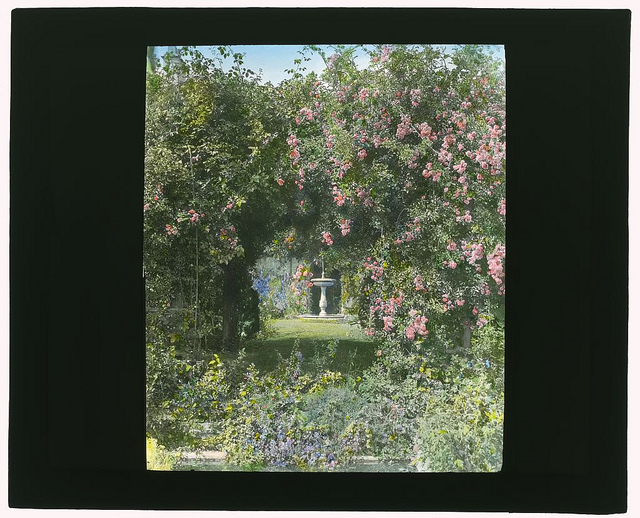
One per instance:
(165, 373)
(393, 401)
(440, 414)
(461, 430)
(291, 419)
(158, 458)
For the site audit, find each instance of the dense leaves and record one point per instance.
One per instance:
(211, 203)
(401, 170)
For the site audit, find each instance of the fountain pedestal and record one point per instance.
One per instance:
(323, 284)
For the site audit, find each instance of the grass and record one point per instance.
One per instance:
(287, 329)
(337, 345)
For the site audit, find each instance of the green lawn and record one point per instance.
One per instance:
(309, 329)
(337, 345)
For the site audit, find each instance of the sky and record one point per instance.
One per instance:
(273, 60)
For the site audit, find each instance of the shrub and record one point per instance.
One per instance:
(165, 374)
(440, 413)
(289, 419)
(461, 430)
(158, 458)
(394, 400)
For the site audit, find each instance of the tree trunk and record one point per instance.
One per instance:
(466, 341)
(230, 307)
(466, 338)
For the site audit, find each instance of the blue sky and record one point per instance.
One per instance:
(274, 59)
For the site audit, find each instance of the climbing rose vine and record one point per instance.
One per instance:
(407, 160)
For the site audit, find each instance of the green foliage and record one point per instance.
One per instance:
(394, 398)
(461, 429)
(213, 152)
(158, 458)
(440, 415)
(165, 373)
(279, 419)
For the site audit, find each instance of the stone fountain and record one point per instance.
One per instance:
(323, 283)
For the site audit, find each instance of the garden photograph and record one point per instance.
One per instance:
(258, 259)
(324, 258)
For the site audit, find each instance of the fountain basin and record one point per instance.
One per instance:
(325, 317)
(323, 283)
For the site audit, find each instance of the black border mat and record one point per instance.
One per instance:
(77, 430)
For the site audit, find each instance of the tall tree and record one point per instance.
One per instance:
(214, 149)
